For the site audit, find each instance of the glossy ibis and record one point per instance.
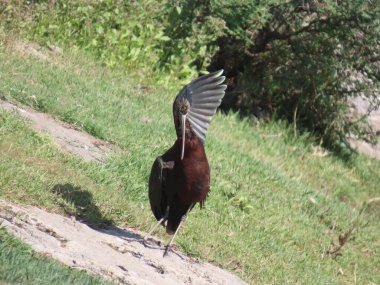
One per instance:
(181, 176)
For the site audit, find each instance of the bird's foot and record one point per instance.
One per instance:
(167, 249)
(145, 240)
(166, 164)
(169, 164)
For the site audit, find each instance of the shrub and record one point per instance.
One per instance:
(118, 32)
(299, 60)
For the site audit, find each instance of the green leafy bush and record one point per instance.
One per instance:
(298, 60)
(14, 15)
(145, 33)
(118, 32)
(193, 35)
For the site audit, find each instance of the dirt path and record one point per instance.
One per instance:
(69, 138)
(113, 253)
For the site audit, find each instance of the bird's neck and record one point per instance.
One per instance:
(193, 146)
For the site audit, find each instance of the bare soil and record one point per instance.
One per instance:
(68, 137)
(113, 253)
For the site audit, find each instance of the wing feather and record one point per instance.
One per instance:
(204, 95)
(157, 197)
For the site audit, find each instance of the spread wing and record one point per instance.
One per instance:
(204, 95)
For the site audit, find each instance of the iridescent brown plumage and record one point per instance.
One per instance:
(180, 178)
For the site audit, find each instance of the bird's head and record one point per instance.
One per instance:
(195, 105)
(181, 107)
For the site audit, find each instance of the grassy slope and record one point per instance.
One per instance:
(275, 206)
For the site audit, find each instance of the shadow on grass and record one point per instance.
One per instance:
(85, 207)
(86, 211)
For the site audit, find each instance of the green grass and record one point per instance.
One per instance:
(20, 265)
(275, 206)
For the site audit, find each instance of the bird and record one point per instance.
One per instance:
(180, 177)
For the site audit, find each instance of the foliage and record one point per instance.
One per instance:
(127, 33)
(13, 15)
(193, 38)
(299, 60)
(118, 32)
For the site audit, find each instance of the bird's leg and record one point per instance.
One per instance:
(163, 219)
(183, 218)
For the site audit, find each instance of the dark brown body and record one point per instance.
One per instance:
(184, 185)
(181, 177)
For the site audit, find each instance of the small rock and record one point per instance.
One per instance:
(55, 49)
(145, 120)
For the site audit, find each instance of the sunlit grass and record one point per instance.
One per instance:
(277, 201)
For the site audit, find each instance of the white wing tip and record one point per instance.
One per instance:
(219, 72)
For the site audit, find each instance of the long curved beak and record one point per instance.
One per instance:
(183, 127)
